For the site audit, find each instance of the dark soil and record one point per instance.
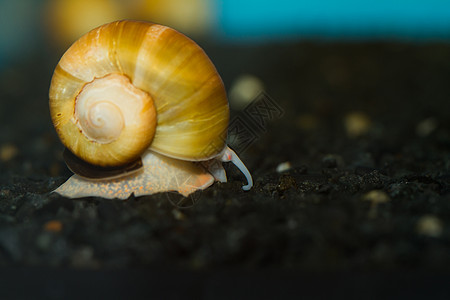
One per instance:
(372, 202)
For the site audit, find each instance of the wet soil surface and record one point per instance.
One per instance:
(364, 132)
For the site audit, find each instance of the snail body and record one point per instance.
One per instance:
(128, 90)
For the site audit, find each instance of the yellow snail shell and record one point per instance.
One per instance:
(131, 89)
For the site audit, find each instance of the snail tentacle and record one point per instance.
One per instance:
(231, 156)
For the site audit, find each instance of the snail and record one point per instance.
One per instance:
(141, 109)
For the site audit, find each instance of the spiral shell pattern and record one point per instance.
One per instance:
(178, 103)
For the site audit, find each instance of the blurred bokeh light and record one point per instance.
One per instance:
(27, 25)
(346, 19)
(69, 19)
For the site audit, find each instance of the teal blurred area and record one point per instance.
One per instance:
(26, 25)
(254, 20)
(19, 29)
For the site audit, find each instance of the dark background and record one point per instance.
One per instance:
(359, 213)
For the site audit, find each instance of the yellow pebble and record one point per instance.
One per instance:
(244, 90)
(429, 225)
(375, 197)
(8, 152)
(357, 124)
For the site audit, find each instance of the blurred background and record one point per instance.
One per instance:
(28, 26)
(363, 90)
(312, 57)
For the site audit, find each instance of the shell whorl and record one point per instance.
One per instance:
(102, 122)
(105, 106)
(181, 98)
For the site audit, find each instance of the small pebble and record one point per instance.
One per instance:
(429, 225)
(332, 161)
(53, 226)
(329, 161)
(244, 90)
(357, 124)
(44, 241)
(5, 193)
(426, 127)
(286, 182)
(178, 215)
(284, 166)
(375, 197)
(291, 224)
(8, 152)
(84, 257)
